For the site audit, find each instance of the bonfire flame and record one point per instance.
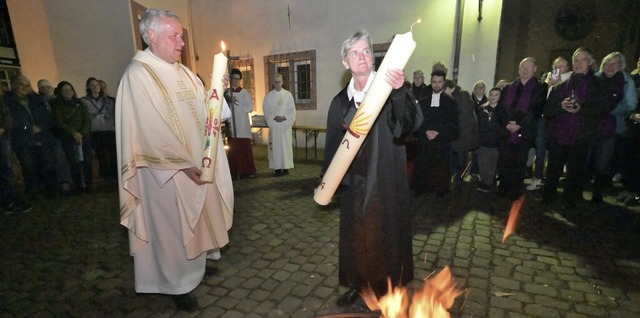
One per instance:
(433, 301)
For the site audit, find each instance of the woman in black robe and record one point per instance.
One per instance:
(375, 221)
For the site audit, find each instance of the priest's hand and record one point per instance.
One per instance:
(194, 174)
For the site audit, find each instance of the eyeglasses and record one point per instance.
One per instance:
(235, 78)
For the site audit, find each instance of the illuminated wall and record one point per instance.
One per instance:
(258, 28)
(75, 39)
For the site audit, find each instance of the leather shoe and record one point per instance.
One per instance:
(185, 302)
(210, 271)
(348, 298)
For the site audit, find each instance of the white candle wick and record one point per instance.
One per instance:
(414, 23)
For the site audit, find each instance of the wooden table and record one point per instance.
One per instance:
(310, 133)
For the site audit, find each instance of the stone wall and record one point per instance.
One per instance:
(546, 29)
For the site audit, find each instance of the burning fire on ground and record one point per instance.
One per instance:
(433, 301)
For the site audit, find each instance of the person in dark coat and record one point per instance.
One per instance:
(32, 138)
(419, 88)
(573, 110)
(375, 220)
(491, 123)
(10, 202)
(467, 140)
(439, 128)
(629, 167)
(478, 95)
(74, 129)
(523, 102)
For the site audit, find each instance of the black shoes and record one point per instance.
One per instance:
(596, 198)
(17, 206)
(281, 172)
(210, 271)
(348, 298)
(185, 302)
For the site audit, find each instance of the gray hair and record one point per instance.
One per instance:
(348, 43)
(151, 19)
(18, 80)
(611, 56)
(479, 83)
(584, 50)
(558, 59)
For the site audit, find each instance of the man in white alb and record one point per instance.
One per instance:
(280, 114)
(173, 217)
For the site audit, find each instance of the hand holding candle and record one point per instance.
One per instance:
(397, 56)
(212, 126)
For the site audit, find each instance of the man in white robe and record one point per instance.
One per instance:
(173, 217)
(280, 114)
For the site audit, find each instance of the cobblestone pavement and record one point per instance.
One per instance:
(68, 257)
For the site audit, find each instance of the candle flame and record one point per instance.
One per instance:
(222, 46)
(414, 23)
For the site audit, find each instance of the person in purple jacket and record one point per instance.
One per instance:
(573, 111)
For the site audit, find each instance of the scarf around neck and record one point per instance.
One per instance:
(518, 98)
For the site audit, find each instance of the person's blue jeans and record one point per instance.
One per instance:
(602, 154)
(81, 170)
(38, 165)
(7, 192)
(541, 150)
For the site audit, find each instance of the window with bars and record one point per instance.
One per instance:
(379, 51)
(245, 65)
(298, 72)
(6, 73)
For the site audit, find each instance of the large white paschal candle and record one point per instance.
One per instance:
(212, 126)
(397, 57)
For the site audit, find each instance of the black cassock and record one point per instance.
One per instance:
(375, 221)
(432, 172)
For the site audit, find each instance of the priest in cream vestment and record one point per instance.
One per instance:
(280, 115)
(173, 219)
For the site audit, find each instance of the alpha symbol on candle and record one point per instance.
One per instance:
(214, 94)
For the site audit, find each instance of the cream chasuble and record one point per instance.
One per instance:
(160, 116)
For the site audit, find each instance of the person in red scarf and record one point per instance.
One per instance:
(573, 111)
(523, 102)
(239, 133)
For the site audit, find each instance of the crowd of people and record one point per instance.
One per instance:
(53, 134)
(583, 124)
